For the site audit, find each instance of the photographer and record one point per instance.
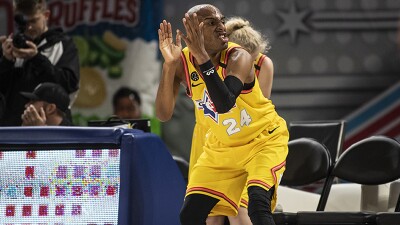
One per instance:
(32, 55)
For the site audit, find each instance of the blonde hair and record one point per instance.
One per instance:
(241, 32)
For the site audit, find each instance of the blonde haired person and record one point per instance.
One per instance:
(240, 32)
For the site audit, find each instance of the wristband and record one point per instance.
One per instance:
(207, 68)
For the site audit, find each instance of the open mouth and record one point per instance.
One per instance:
(223, 37)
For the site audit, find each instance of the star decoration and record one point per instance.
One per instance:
(293, 21)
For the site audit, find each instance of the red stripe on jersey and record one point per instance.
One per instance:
(262, 183)
(276, 168)
(244, 203)
(260, 60)
(213, 192)
(186, 68)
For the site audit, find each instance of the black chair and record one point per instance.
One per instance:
(183, 166)
(308, 161)
(371, 161)
(397, 209)
(388, 218)
(329, 133)
(396, 197)
(335, 218)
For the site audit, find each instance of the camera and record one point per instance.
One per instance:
(19, 38)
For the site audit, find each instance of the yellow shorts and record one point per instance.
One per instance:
(223, 172)
(198, 140)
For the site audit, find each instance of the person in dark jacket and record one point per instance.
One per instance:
(49, 56)
(46, 107)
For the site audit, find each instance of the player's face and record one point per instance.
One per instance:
(37, 24)
(215, 38)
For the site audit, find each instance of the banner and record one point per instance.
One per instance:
(118, 46)
(380, 116)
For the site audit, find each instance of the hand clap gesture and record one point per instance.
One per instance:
(171, 51)
(194, 37)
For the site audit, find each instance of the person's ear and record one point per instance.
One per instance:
(50, 109)
(46, 14)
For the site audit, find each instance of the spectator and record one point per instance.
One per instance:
(126, 103)
(46, 107)
(49, 56)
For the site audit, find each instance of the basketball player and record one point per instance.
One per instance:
(241, 32)
(246, 144)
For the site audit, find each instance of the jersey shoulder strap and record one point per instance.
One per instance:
(223, 61)
(258, 62)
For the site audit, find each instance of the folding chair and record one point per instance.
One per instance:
(308, 161)
(327, 132)
(371, 161)
(390, 218)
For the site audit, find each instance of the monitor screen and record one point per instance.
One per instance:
(87, 176)
(59, 186)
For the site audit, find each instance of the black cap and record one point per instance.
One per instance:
(51, 93)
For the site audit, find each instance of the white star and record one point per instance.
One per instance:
(293, 21)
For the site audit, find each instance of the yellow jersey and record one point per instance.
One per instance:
(251, 114)
(257, 63)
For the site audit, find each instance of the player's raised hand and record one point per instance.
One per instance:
(171, 51)
(194, 37)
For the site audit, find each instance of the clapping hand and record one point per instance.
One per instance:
(171, 51)
(194, 37)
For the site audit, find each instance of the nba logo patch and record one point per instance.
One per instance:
(194, 76)
(207, 106)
